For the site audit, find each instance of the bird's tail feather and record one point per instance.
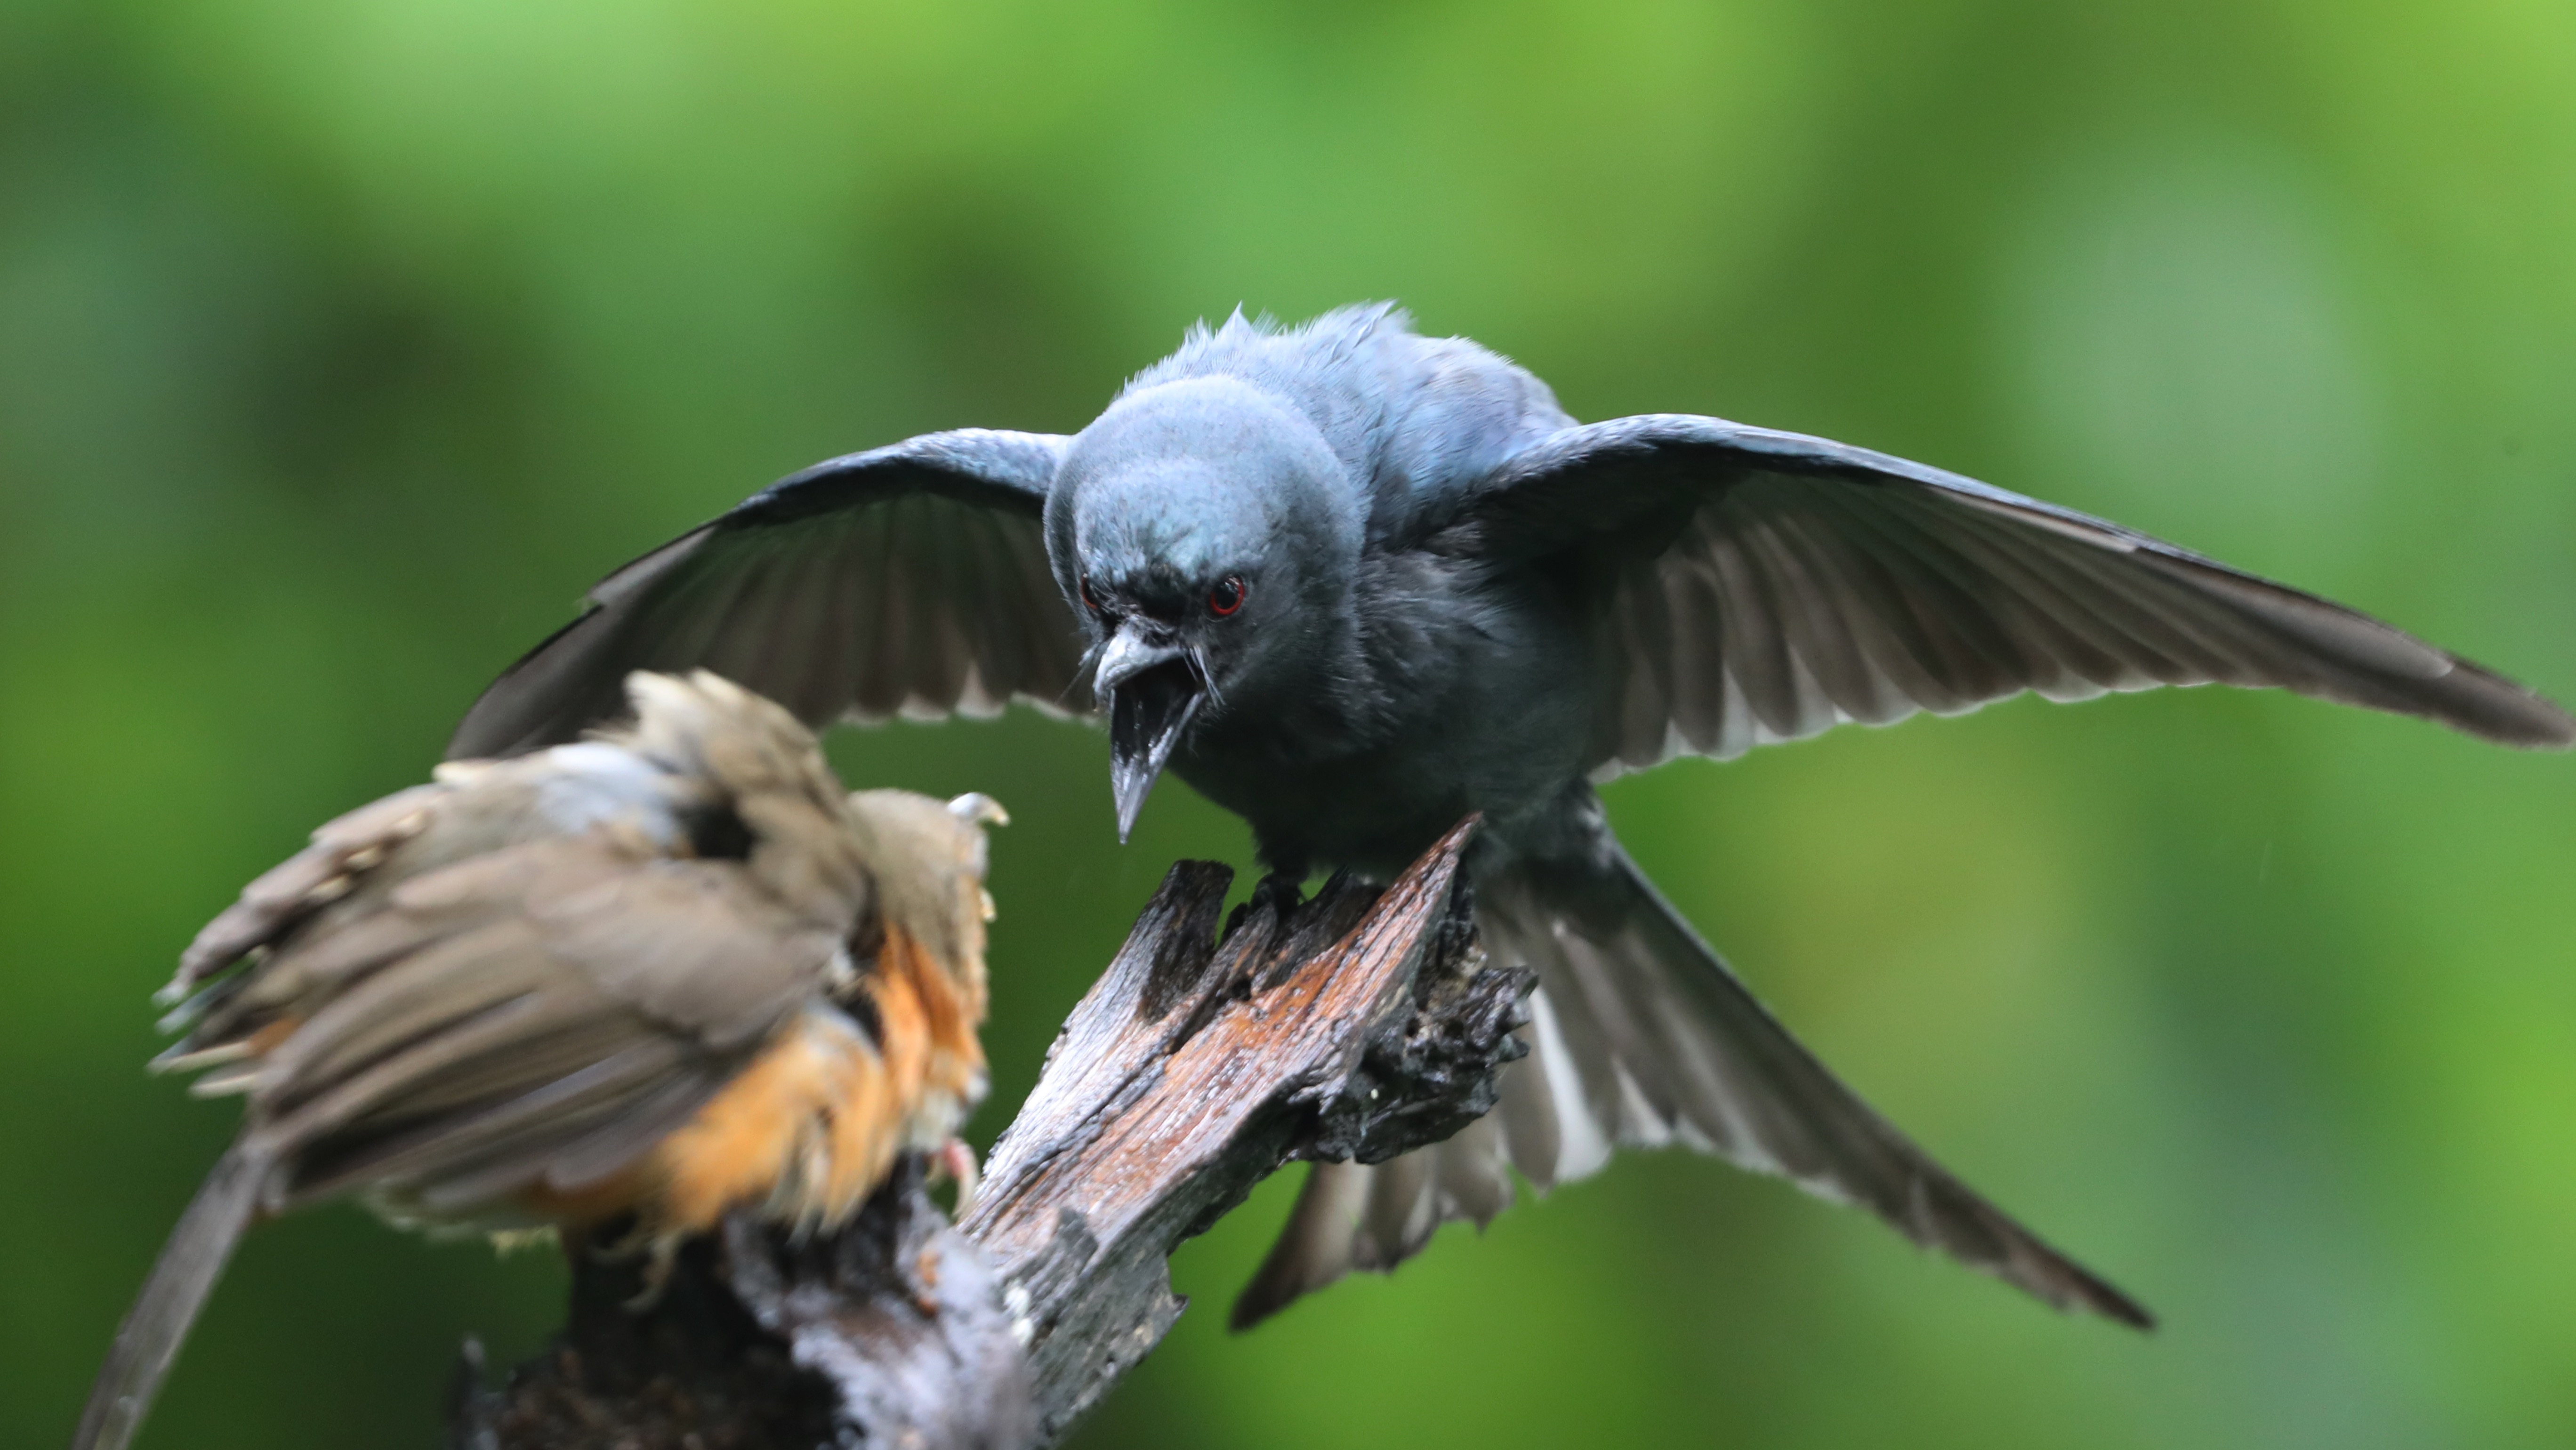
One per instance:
(181, 1279)
(1642, 1037)
(1373, 1217)
(1695, 1059)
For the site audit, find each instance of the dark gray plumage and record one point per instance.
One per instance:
(1353, 583)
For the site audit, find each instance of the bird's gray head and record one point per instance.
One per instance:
(1207, 536)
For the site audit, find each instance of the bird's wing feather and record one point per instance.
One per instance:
(1755, 586)
(1761, 586)
(514, 1008)
(295, 888)
(910, 580)
(1642, 1037)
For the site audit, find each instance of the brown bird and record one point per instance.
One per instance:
(666, 972)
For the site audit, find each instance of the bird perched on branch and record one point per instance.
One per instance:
(620, 986)
(1353, 583)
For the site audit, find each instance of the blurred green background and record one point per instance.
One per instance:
(341, 346)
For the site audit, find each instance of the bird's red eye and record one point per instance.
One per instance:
(1082, 586)
(1226, 597)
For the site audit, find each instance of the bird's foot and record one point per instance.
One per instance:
(1282, 891)
(623, 1247)
(660, 1253)
(1277, 891)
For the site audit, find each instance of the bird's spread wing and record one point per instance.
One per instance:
(1761, 586)
(1641, 1036)
(909, 580)
(1753, 586)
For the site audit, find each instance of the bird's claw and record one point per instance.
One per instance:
(618, 1250)
(1280, 890)
(955, 1161)
(661, 1253)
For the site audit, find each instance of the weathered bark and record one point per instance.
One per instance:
(1360, 1024)
(1357, 1024)
(889, 1332)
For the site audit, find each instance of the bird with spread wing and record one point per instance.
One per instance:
(1353, 583)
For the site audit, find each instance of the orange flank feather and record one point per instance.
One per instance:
(808, 1128)
(812, 1126)
(946, 1002)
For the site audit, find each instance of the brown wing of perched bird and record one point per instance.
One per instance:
(667, 972)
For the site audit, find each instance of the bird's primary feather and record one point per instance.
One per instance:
(910, 580)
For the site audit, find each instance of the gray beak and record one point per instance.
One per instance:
(1152, 690)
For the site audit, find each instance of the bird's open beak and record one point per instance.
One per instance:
(1152, 689)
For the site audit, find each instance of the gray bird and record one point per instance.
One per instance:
(1353, 583)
